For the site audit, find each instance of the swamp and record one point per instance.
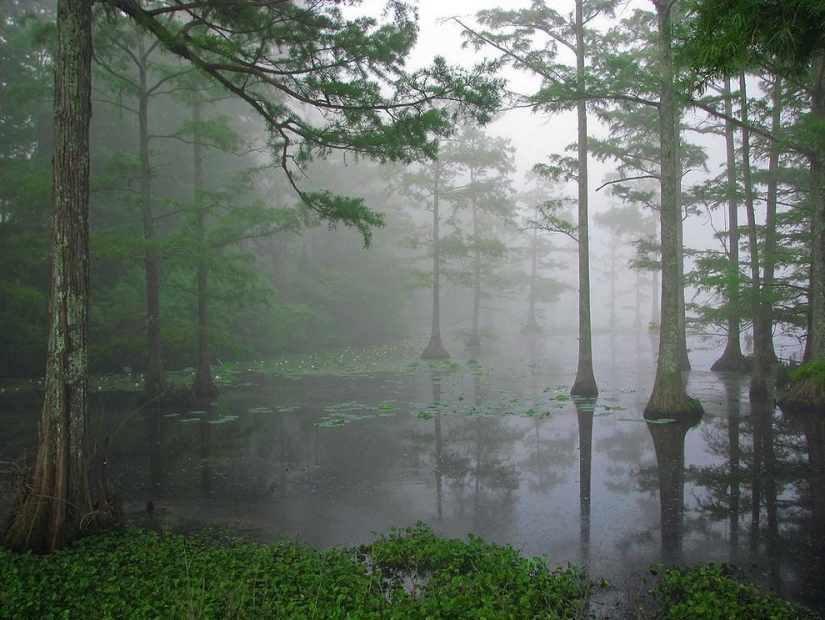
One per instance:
(334, 450)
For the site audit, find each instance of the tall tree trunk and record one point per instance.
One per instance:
(765, 335)
(58, 500)
(585, 382)
(204, 386)
(155, 382)
(759, 389)
(684, 360)
(732, 357)
(669, 397)
(435, 348)
(817, 334)
(532, 326)
(475, 338)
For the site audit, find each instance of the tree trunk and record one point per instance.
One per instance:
(759, 389)
(732, 358)
(57, 502)
(669, 397)
(435, 348)
(532, 326)
(684, 360)
(817, 334)
(155, 383)
(585, 383)
(204, 386)
(765, 335)
(475, 338)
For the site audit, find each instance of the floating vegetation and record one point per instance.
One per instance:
(532, 413)
(562, 397)
(424, 415)
(482, 412)
(171, 415)
(287, 408)
(346, 406)
(189, 420)
(331, 422)
(386, 406)
(224, 419)
(661, 421)
(259, 410)
(196, 412)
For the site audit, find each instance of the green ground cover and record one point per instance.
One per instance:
(410, 573)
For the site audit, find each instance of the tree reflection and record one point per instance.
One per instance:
(584, 412)
(669, 445)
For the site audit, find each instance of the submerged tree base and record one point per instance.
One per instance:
(170, 396)
(435, 351)
(805, 395)
(585, 385)
(531, 328)
(204, 388)
(669, 400)
(730, 362)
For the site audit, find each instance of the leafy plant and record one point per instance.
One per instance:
(714, 591)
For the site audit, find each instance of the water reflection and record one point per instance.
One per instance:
(584, 415)
(669, 444)
(489, 447)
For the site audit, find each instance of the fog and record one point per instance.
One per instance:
(301, 285)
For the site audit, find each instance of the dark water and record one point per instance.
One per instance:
(494, 449)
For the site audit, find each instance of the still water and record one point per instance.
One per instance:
(491, 445)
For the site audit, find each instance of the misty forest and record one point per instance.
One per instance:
(347, 308)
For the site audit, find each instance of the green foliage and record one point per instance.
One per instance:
(725, 36)
(409, 574)
(713, 591)
(810, 371)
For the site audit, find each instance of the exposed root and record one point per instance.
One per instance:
(806, 396)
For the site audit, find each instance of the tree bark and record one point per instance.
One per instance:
(585, 382)
(435, 348)
(759, 389)
(669, 398)
(155, 383)
(765, 335)
(475, 338)
(732, 358)
(204, 386)
(532, 326)
(58, 501)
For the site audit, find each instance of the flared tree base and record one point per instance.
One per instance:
(730, 362)
(531, 328)
(585, 385)
(435, 350)
(804, 397)
(204, 388)
(670, 401)
(158, 393)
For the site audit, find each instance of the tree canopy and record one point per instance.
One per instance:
(726, 36)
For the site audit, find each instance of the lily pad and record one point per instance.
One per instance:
(223, 419)
(424, 415)
(330, 422)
